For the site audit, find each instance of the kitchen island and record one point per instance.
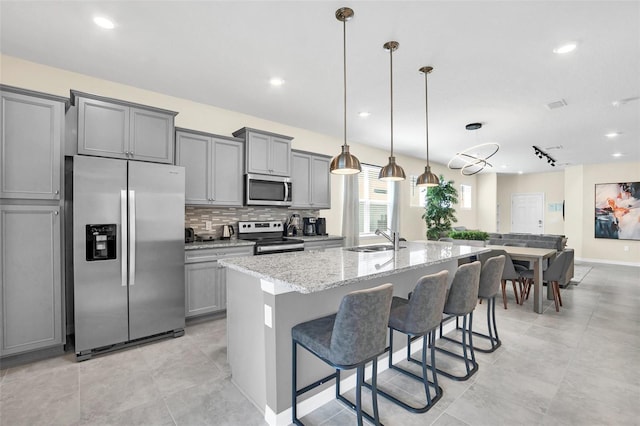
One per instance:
(268, 295)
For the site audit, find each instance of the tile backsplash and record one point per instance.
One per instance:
(196, 216)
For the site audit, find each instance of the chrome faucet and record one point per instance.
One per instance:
(394, 238)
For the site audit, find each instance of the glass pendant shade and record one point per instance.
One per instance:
(345, 163)
(428, 178)
(392, 171)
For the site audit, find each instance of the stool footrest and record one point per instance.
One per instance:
(316, 384)
(470, 373)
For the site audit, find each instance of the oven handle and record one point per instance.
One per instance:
(279, 247)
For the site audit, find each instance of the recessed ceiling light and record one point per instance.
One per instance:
(613, 134)
(504, 166)
(565, 48)
(617, 154)
(520, 172)
(103, 22)
(276, 81)
(364, 114)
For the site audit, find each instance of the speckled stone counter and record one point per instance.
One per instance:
(217, 244)
(268, 295)
(310, 272)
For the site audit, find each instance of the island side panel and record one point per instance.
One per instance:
(245, 336)
(293, 308)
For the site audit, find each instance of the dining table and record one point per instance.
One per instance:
(537, 257)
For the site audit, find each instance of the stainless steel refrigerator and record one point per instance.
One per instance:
(128, 242)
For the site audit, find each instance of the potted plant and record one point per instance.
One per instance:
(439, 213)
(469, 238)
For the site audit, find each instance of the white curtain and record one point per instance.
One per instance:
(350, 209)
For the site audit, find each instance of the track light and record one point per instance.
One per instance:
(541, 154)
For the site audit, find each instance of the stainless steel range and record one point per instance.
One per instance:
(268, 237)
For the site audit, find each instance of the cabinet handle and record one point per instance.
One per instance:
(57, 192)
(55, 213)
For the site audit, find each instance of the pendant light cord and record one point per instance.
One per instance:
(426, 111)
(391, 77)
(344, 62)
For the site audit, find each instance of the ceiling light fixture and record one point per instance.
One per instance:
(103, 22)
(364, 114)
(345, 163)
(392, 171)
(613, 134)
(473, 160)
(427, 178)
(565, 48)
(617, 154)
(276, 81)
(542, 155)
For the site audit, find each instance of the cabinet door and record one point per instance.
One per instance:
(193, 153)
(103, 129)
(280, 157)
(258, 154)
(320, 183)
(30, 278)
(31, 139)
(227, 172)
(300, 178)
(202, 288)
(151, 136)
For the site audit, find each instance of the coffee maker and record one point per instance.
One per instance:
(309, 226)
(321, 226)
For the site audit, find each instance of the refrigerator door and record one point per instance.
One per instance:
(100, 286)
(156, 239)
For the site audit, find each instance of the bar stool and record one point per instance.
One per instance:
(349, 339)
(419, 316)
(461, 301)
(490, 279)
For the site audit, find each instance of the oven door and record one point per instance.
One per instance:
(262, 190)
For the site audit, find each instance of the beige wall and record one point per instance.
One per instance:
(576, 185)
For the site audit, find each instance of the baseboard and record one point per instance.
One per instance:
(608, 262)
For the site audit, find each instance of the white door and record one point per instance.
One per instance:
(527, 213)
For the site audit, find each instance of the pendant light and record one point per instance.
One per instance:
(345, 163)
(427, 178)
(392, 171)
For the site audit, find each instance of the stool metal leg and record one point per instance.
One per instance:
(468, 354)
(294, 385)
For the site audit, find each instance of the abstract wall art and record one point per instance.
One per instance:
(617, 211)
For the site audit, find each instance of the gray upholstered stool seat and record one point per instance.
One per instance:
(490, 279)
(349, 339)
(461, 301)
(419, 316)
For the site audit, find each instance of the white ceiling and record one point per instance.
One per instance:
(493, 64)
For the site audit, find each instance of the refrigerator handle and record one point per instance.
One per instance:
(124, 242)
(132, 236)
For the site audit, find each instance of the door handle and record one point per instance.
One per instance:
(132, 237)
(124, 241)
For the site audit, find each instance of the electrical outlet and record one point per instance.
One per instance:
(626, 248)
(207, 225)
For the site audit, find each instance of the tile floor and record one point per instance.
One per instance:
(580, 366)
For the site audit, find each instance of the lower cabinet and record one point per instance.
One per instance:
(30, 279)
(323, 244)
(205, 280)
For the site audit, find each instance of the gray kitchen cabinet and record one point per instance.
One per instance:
(30, 279)
(266, 153)
(205, 280)
(30, 152)
(311, 180)
(118, 129)
(213, 168)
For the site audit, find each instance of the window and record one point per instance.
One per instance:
(465, 196)
(418, 194)
(375, 200)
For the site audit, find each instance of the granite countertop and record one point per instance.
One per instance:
(313, 271)
(208, 244)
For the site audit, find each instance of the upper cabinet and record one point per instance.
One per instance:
(213, 168)
(311, 180)
(118, 129)
(267, 153)
(32, 126)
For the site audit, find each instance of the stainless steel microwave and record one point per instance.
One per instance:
(265, 190)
